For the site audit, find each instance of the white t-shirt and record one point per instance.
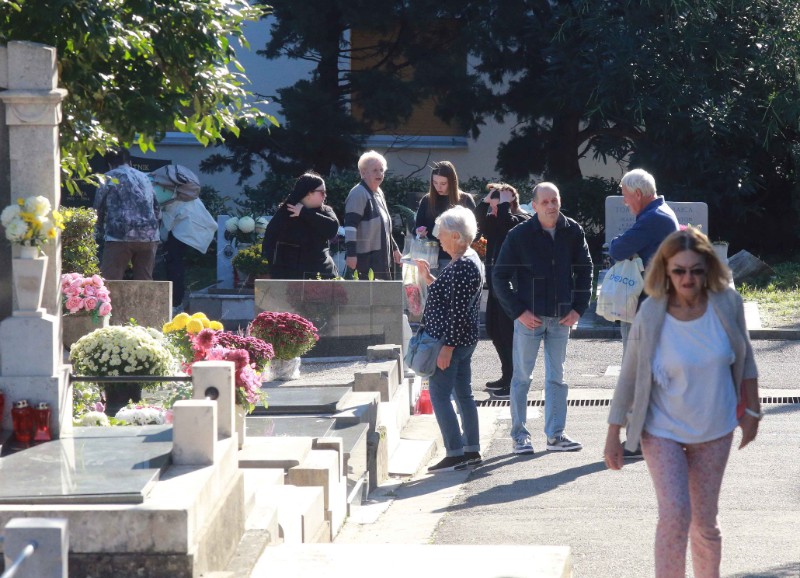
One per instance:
(693, 399)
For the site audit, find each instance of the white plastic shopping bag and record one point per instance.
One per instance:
(618, 296)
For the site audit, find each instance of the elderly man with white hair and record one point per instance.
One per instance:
(654, 223)
(367, 223)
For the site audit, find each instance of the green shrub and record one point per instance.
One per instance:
(250, 261)
(78, 244)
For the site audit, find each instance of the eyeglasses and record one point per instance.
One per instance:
(319, 191)
(680, 272)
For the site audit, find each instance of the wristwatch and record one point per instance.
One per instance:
(756, 414)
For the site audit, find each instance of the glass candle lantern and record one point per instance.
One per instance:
(22, 420)
(42, 423)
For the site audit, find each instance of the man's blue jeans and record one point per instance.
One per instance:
(526, 349)
(456, 380)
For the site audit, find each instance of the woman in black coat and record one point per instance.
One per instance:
(297, 239)
(497, 214)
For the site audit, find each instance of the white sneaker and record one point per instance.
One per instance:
(562, 443)
(523, 446)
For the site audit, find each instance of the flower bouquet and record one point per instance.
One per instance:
(31, 222)
(121, 351)
(479, 245)
(242, 229)
(88, 295)
(261, 352)
(139, 414)
(179, 331)
(247, 379)
(290, 335)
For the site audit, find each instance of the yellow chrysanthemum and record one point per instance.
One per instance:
(216, 326)
(180, 320)
(200, 315)
(168, 328)
(194, 326)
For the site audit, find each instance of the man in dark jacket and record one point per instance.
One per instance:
(549, 262)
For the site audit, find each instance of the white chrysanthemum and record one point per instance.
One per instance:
(232, 225)
(94, 418)
(9, 214)
(37, 205)
(261, 225)
(247, 224)
(16, 230)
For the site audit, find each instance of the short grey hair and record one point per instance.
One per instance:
(639, 179)
(544, 185)
(368, 157)
(459, 220)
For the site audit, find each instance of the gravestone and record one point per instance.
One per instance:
(350, 315)
(225, 252)
(148, 302)
(619, 219)
(30, 165)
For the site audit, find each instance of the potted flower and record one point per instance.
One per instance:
(260, 351)
(179, 331)
(250, 265)
(29, 223)
(290, 335)
(122, 351)
(85, 305)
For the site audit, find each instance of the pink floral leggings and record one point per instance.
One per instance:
(687, 480)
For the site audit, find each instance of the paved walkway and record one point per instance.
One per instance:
(607, 518)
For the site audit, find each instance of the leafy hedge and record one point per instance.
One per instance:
(78, 243)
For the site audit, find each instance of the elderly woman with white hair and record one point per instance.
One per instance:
(451, 314)
(367, 223)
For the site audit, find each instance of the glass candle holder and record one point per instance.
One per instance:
(42, 423)
(22, 420)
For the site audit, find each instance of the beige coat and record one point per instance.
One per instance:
(632, 394)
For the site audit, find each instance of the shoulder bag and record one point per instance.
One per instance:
(423, 349)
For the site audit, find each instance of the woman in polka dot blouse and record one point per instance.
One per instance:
(451, 312)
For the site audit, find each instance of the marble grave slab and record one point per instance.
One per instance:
(116, 465)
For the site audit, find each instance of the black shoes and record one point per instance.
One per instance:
(497, 384)
(448, 464)
(504, 393)
(456, 463)
(633, 455)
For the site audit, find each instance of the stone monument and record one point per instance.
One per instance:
(31, 365)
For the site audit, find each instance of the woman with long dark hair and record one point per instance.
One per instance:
(297, 239)
(443, 194)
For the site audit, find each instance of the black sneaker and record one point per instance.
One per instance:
(633, 455)
(448, 464)
(470, 459)
(504, 393)
(497, 384)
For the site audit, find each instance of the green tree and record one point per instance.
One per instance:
(412, 59)
(702, 94)
(135, 70)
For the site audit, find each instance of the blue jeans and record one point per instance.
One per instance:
(526, 349)
(456, 380)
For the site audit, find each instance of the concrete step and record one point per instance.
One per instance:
(402, 560)
(419, 442)
(301, 513)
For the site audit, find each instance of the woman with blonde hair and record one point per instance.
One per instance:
(688, 379)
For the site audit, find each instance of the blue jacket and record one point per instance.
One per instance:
(652, 226)
(551, 276)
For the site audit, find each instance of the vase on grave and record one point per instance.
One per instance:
(721, 249)
(239, 415)
(27, 275)
(77, 325)
(284, 369)
(118, 395)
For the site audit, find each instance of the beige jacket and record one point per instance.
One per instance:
(632, 394)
